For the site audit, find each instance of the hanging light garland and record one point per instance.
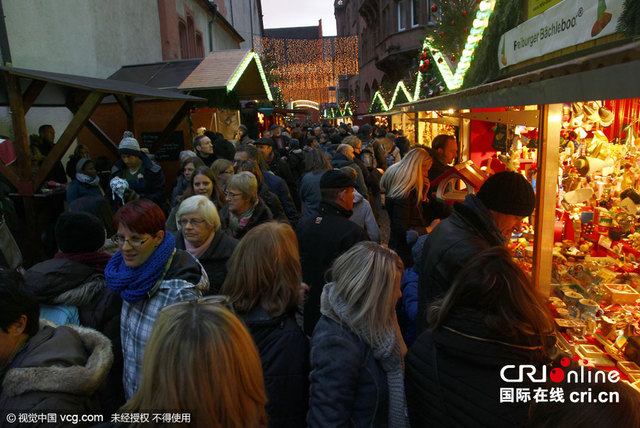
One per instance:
(307, 68)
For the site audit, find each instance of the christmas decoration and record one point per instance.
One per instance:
(450, 37)
(434, 8)
(305, 69)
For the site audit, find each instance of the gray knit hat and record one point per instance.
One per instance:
(129, 145)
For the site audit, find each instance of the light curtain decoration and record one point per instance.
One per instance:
(308, 69)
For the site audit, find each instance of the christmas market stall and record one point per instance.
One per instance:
(555, 90)
(22, 90)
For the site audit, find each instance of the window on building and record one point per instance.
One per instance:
(199, 45)
(191, 36)
(401, 15)
(184, 43)
(429, 14)
(415, 13)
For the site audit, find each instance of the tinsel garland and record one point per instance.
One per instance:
(507, 14)
(629, 22)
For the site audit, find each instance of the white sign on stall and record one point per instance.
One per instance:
(568, 23)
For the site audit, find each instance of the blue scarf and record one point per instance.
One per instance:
(133, 284)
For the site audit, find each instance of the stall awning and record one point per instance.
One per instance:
(57, 87)
(233, 70)
(162, 75)
(610, 74)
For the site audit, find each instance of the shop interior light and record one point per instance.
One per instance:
(305, 104)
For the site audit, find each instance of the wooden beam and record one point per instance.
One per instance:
(32, 93)
(97, 131)
(171, 126)
(20, 136)
(546, 188)
(70, 133)
(124, 104)
(131, 118)
(10, 175)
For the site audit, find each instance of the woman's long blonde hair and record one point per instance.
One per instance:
(266, 270)
(366, 278)
(405, 176)
(201, 360)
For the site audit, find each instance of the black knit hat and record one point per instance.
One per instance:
(508, 192)
(335, 179)
(79, 232)
(264, 142)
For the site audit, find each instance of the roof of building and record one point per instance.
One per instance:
(293, 32)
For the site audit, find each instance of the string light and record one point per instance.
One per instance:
(305, 69)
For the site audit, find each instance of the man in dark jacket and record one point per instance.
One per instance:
(345, 157)
(480, 222)
(445, 149)
(277, 165)
(145, 177)
(44, 367)
(203, 147)
(324, 237)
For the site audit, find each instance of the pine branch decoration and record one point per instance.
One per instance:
(454, 18)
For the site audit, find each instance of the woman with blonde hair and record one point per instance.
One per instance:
(244, 209)
(199, 234)
(406, 184)
(222, 169)
(265, 290)
(356, 348)
(200, 361)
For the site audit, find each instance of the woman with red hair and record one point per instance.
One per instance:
(149, 273)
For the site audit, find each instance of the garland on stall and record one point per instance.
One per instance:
(629, 23)
(454, 19)
(484, 68)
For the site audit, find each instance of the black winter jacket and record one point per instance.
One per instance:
(452, 375)
(348, 385)
(150, 186)
(66, 282)
(214, 259)
(284, 353)
(404, 215)
(456, 239)
(322, 239)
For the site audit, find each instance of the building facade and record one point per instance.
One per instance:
(390, 35)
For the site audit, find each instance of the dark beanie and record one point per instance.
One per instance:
(335, 179)
(79, 232)
(508, 192)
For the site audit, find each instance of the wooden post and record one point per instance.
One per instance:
(32, 93)
(171, 126)
(70, 133)
(20, 137)
(546, 190)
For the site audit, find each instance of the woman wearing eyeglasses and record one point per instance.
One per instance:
(201, 363)
(148, 272)
(244, 209)
(199, 233)
(203, 182)
(265, 289)
(356, 348)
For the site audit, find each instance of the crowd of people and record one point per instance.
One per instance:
(258, 292)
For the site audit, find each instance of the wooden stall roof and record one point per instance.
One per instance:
(162, 75)
(234, 69)
(58, 85)
(610, 74)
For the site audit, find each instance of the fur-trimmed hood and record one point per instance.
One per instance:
(68, 359)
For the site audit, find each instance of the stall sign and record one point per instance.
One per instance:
(568, 23)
